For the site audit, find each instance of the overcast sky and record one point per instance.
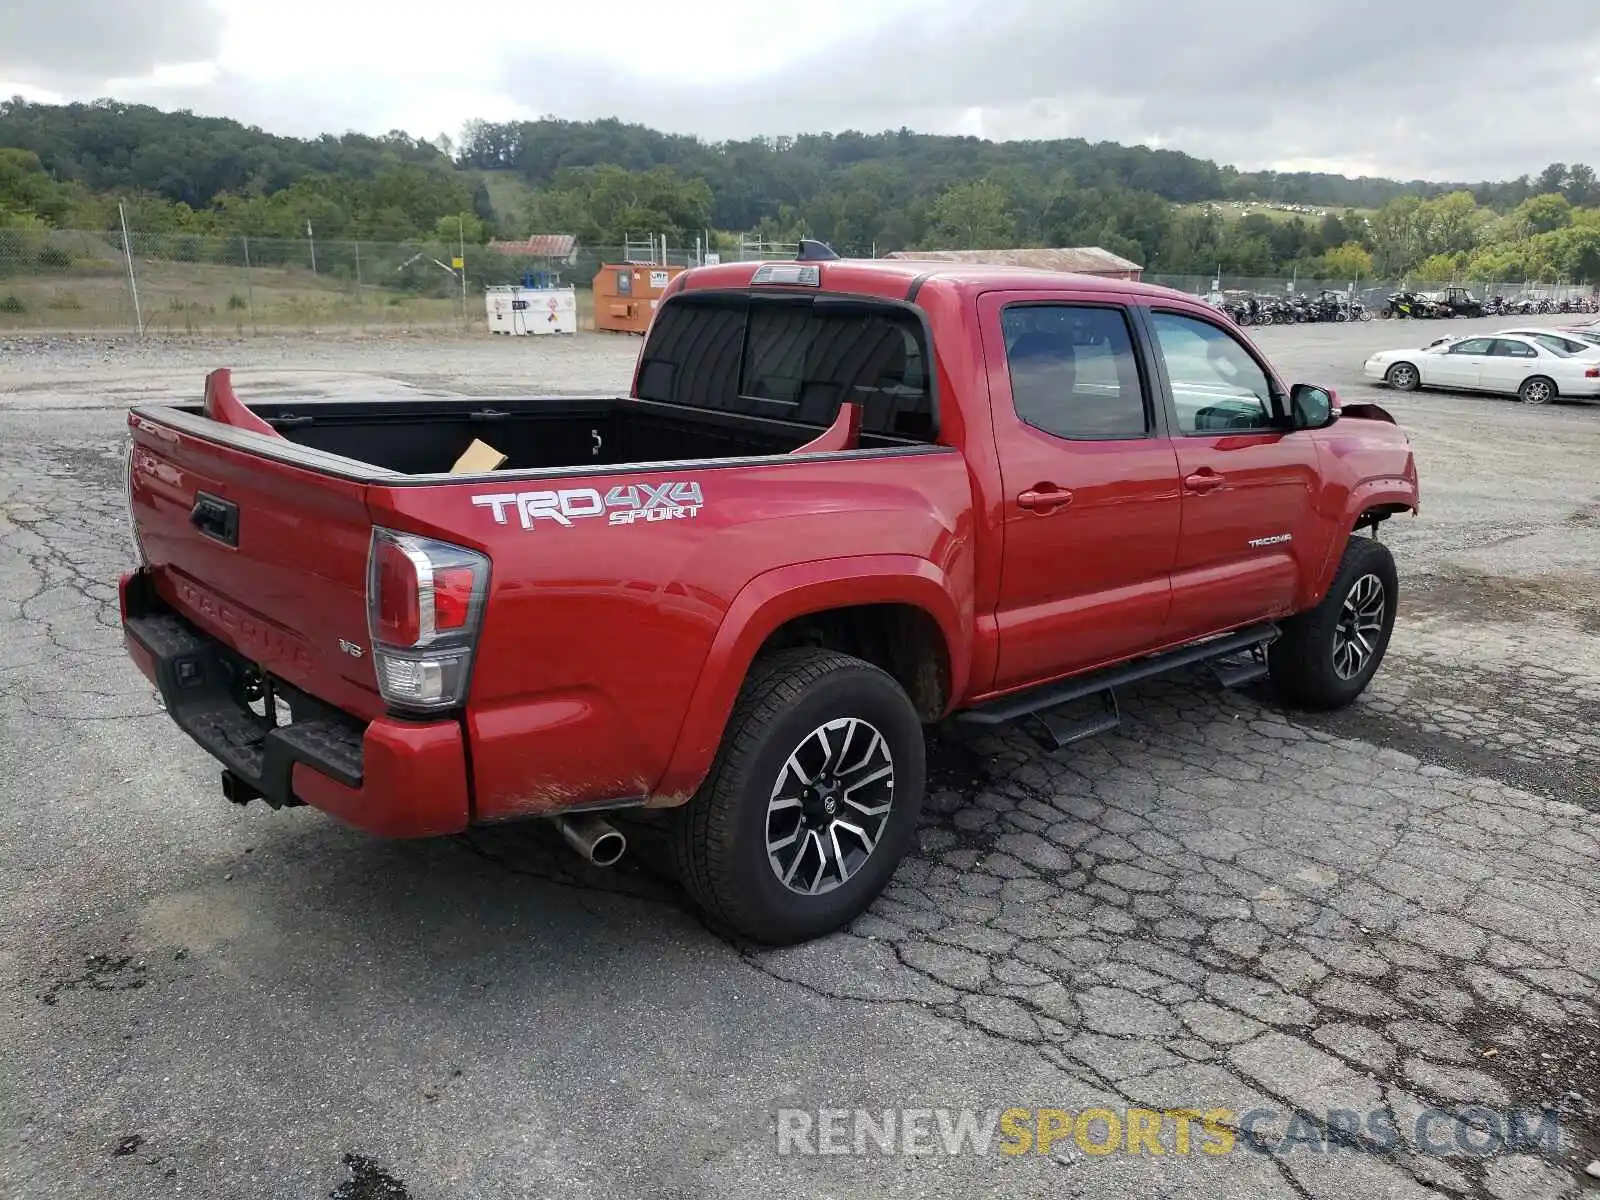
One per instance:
(1443, 89)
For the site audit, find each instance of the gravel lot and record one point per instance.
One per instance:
(1223, 906)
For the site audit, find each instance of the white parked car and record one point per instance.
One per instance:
(1514, 364)
(1559, 340)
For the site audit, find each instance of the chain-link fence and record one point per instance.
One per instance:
(178, 283)
(181, 283)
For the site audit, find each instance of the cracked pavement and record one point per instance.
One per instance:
(1224, 905)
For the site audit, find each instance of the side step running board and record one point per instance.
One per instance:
(1236, 658)
(1232, 672)
(1052, 729)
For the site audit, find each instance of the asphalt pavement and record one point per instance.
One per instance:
(1226, 907)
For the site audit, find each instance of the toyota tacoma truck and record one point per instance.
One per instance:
(842, 501)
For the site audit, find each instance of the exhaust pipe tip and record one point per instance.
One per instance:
(594, 838)
(607, 849)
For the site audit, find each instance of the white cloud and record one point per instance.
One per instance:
(75, 44)
(1363, 86)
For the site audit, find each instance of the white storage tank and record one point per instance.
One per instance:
(524, 311)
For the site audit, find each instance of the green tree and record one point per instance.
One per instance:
(1543, 213)
(1451, 223)
(1552, 179)
(26, 189)
(551, 210)
(1334, 231)
(1399, 235)
(1580, 189)
(1573, 253)
(1502, 263)
(1440, 268)
(971, 216)
(462, 227)
(1349, 261)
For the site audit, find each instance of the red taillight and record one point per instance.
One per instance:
(452, 597)
(424, 606)
(398, 607)
(1592, 373)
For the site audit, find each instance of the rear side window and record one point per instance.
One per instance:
(793, 358)
(1560, 345)
(1073, 371)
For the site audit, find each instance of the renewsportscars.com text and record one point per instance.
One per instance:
(1472, 1131)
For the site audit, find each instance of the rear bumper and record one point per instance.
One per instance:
(390, 777)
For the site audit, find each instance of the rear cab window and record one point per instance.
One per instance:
(1073, 371)
(793, 358)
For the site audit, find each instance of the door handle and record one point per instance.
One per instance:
(1044, 498)
(1203, 480)
(216, 518)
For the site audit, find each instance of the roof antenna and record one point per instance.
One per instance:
(812, 250)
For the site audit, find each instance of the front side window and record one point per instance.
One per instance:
(1473, 346)
(1073, 371)
(1217, 386)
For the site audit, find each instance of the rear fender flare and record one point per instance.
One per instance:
(778, 596)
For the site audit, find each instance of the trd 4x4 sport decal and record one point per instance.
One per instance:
(622, 505)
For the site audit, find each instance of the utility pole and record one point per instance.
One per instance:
(461, 264)
(311, 237)
(249, 286)
(133, 284)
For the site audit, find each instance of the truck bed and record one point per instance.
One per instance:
(424, 437)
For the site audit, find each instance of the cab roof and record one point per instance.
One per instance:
(903, 279)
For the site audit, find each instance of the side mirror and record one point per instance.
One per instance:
(1312, 407)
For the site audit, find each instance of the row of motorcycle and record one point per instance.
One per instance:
(1291, 310)
(1257, 309)
(1458, 302)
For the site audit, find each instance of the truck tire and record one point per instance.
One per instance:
(811, 803)
(1325, 657)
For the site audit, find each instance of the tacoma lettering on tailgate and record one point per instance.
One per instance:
(622, 505)
(258, 639)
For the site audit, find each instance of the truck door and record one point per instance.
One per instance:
(1090, 484)
(1248, 482)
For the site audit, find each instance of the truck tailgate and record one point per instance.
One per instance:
(267, 557)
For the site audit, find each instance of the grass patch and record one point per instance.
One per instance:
(1237, 210)
(509, 194)
(178, 297)
(200, 298)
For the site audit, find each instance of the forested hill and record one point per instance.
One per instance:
(602, 180)
(128, 147)
(745, 175)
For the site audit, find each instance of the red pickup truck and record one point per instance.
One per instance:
(841, 502)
